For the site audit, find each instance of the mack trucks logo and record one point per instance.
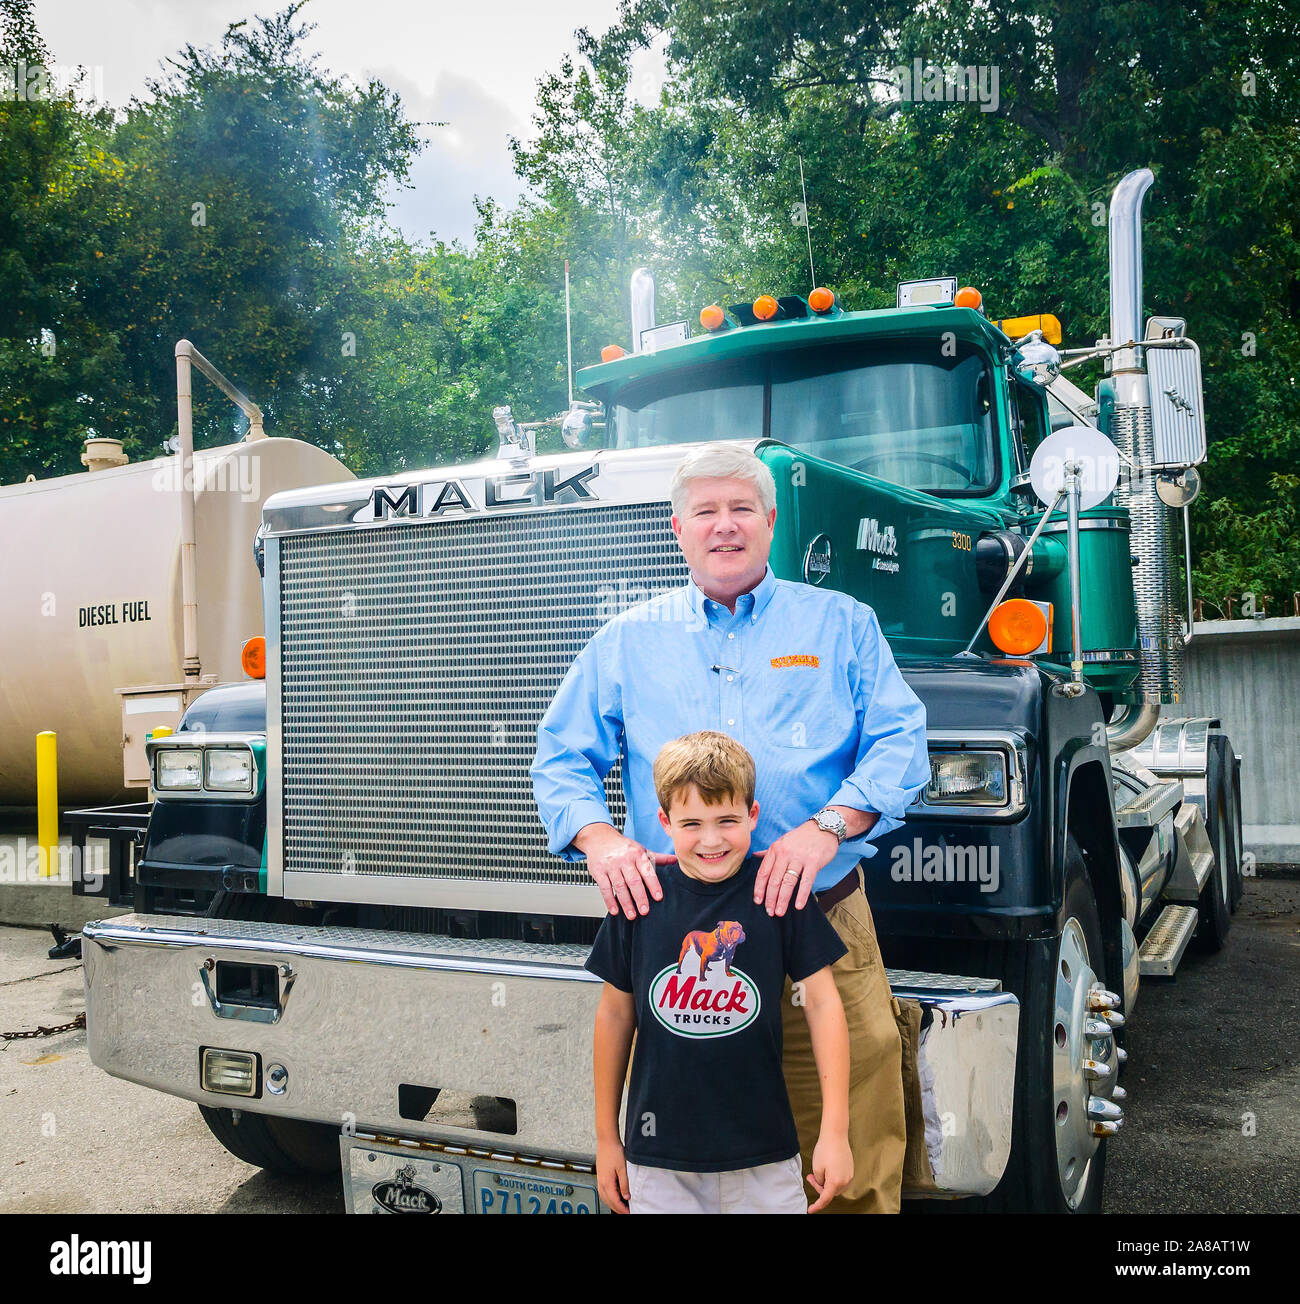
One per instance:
(817, 560)
(884, 543)
(492, 493)
(400, 1194)
(702, 995)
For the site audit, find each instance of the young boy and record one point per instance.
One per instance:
(699, 980)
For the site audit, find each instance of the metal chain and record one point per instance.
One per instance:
(78, 1022)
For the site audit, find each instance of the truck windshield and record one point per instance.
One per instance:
(916, 414)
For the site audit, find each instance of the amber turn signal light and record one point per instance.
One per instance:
(968, 297)
(821, 299)
(611, 353)
(253, 658)
(765, 307)
(712, 317)
(1017, 627)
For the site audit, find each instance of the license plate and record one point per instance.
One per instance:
(381, 1178)
(498, 1191)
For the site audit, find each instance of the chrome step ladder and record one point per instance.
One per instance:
(1162, 948)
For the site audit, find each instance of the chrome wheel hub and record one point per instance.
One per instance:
(1085, 1063)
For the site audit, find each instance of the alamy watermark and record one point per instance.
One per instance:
(31, 83)
(932, 863)
(633, 600)
(947, 83)
(235, 475)
(25, 862)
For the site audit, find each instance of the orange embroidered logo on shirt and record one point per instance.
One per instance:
(802, 659)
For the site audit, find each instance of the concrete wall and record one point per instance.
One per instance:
(1247, 673)
(30, 901)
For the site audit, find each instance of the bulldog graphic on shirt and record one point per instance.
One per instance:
(704, 1003)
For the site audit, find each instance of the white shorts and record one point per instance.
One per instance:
(769, 1188)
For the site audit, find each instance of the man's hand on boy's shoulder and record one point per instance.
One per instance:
(793, 862)
(611, 1174)
(623, 869)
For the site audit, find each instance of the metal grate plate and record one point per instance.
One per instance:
(1177, 406)
(321, 939)
(416, 662)
(1163, 946)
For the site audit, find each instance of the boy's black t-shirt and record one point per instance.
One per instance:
(707, 1094)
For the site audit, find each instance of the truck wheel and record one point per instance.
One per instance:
(1215, 902)
(286, 1146)
(1056, 1164)
(1237, 883)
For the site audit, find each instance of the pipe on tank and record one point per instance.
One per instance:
(643, 305)
(237, 397)
(189, 581)
(102, 454)
(188, 356)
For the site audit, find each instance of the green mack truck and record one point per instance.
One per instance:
(350, 946)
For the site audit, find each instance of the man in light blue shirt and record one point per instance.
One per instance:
(804, 679)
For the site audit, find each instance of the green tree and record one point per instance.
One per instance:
(241, 206)
(53, 168)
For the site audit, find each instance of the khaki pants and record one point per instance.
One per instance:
(877, 1129)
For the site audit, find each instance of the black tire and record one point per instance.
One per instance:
(1238, 880)
(1215, 902)
(1031, 1183)
(285, 1146)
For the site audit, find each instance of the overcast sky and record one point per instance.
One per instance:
(472, 64)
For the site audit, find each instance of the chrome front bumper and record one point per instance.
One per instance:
(360, 1012)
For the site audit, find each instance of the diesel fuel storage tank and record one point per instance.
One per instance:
(91, 644)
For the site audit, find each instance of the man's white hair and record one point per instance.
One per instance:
(722, 461)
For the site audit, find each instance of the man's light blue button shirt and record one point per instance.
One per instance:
(801, 676)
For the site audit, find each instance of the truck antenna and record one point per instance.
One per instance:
(568, 328)
(807, 226)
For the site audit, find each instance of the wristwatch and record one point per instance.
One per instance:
(831, 821)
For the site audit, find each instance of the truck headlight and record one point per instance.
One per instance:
(178, 769)
(228, 769)
(218, 767)
(967, 778)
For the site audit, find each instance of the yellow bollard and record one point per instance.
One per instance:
(47, 802)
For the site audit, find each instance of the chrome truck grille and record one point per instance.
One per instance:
(415, 663)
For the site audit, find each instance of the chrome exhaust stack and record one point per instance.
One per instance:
(643, 305)
(1160, 639)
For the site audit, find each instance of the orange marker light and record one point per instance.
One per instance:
(712, 317)
(968, 297)
(1017, 627)
(765, 307)
(611, 352)
(253, 658)
(821, 299)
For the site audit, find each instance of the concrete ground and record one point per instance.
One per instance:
(78, 1141)
(1213, 1119)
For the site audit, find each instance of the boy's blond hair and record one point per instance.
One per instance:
(716, 766)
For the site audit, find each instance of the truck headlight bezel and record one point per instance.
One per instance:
(207, 746)
(1001, 754)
